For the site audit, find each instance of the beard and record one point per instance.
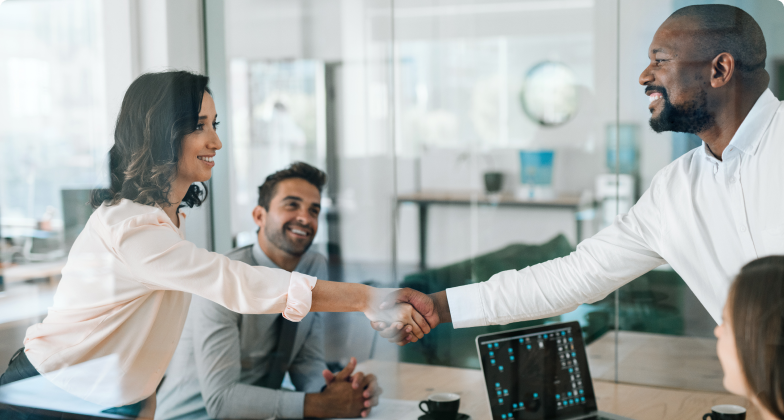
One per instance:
(691, 117)
(280, 239)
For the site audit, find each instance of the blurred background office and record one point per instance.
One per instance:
(461, 138)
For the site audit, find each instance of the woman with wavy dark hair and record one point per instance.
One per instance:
(751, 338)
(121, 304)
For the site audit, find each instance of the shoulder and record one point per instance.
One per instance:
(313, 263)
(127, 215)
(681, 170)
(243, 253)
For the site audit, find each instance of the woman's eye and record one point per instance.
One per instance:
(199, 127)
(215, 125)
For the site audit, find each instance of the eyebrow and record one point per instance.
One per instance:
(658, 50)
(295, 198)
(204, 117)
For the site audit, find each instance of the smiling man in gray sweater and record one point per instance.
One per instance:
(229, 365)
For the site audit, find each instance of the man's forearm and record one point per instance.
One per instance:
(441, 305)
(330, 296)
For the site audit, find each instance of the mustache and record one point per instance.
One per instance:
(659, 89)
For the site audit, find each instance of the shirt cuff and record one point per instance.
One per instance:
(291, 405)
(465, 306)
(300, 296)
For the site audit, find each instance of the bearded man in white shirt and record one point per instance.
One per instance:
(707, 213)
(230, 365)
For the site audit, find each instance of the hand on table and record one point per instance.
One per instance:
(434, 308)
(345, 395)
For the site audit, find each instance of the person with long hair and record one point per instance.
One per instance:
(751, 336)
(121, 305)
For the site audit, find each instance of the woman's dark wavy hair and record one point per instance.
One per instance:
(756, 310)
(158, 110)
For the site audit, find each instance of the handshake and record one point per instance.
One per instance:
(405, 315)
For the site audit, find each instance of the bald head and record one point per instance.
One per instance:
(712, 29)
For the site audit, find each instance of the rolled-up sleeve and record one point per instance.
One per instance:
(157, 255)
(613, 257)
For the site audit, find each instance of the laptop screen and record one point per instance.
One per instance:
(537, 373)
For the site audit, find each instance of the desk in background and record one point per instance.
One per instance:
(426, 199)
(407, 381)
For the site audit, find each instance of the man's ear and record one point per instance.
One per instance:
(259, 216)
(722, 69)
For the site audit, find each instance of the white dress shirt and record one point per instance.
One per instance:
(705, 217)
(121, 305)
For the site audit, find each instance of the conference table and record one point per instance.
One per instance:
(408, 381)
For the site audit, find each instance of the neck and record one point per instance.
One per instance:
(281, 258)
(728, 119)
(176, 194)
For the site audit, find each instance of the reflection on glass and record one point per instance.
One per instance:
(549, 94)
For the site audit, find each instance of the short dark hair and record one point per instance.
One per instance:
(724, 28)
(157, 112)
(300, 170)
(756, 306)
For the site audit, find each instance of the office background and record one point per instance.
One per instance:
(461, 137)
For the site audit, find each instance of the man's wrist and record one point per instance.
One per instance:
(314, 406)
(441, 306)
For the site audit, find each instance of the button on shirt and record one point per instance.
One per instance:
(705, 217)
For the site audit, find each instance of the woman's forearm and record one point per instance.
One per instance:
(332, 296)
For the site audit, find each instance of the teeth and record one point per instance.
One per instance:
(206, 158)
(299, 232)
(654, 97)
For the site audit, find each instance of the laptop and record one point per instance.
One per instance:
(539, 373)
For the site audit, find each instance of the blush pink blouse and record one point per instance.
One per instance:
(121, 304)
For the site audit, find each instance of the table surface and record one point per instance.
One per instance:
(450, 197)
(22, 272)
(408, 381)
(659, 360)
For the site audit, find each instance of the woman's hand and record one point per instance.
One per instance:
(404, 324)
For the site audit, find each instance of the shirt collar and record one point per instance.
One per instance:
(260, 257)
(750, 132)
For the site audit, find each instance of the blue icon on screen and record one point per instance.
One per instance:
(489, 346)
(491, 354)
(501, 368)
(510, 350)
(568, 394)
(503, 416)
(496, 345)
(571, 401)
(563, 332)
(570, 339)
(536, 395)
(510, 415)
(529, 347)
(521, 341)
(500, 401)
(571, 370)
(514, 405)
(522, 405)
(497, 384)
(582, 398)
(492, 361)
(581, 391)
(557, 396)
(574, 354)
(499, 393)
(545, 336)
(511, 358)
